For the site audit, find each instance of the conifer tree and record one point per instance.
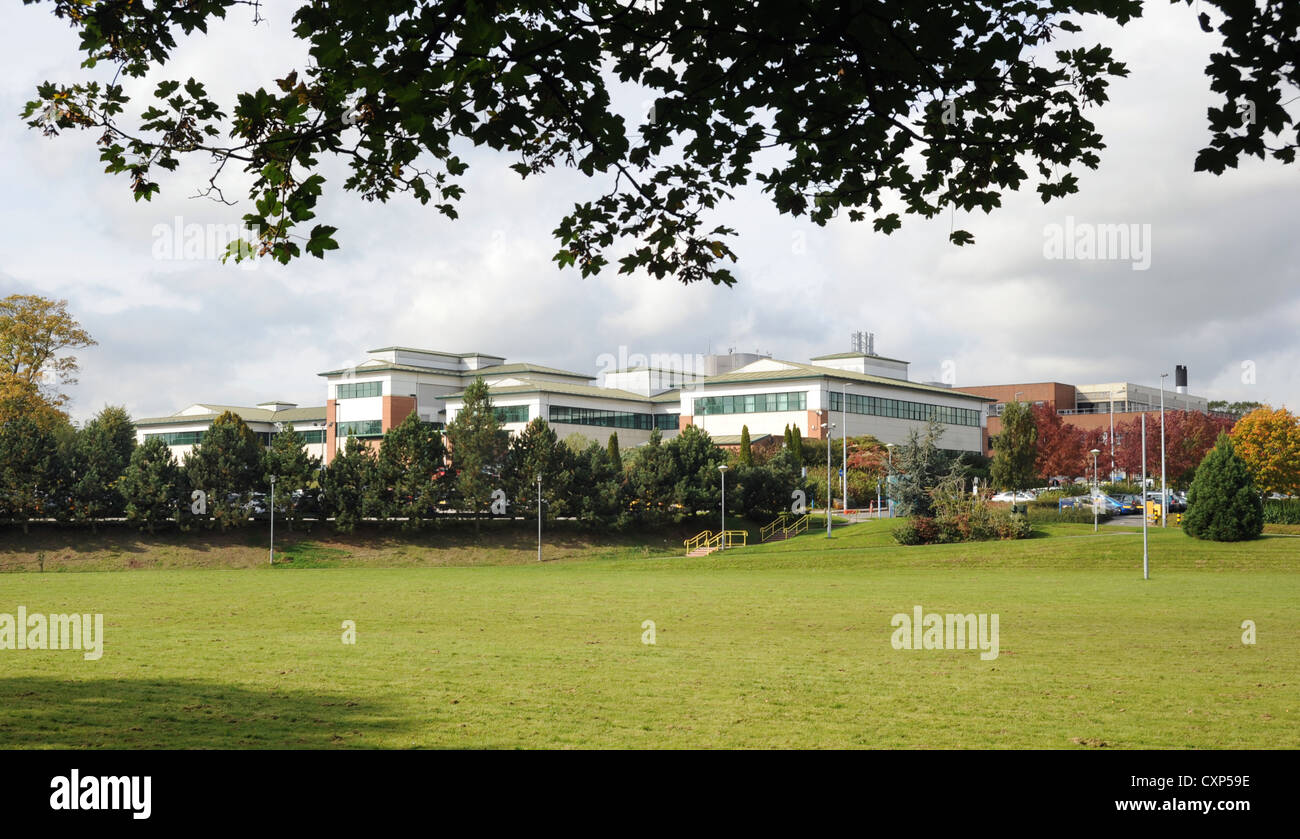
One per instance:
(1223, 504)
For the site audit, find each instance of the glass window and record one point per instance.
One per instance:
(358, 390)
(361, 428)
(511, 413)
(604, 418)
(752, 403)
(179, 438)
(903, 409)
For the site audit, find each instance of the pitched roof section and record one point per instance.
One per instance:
(838, 355)
(561, 387)
(374, 366)
(438, 352)
(734, 439)
(246, 414)
(795, 370)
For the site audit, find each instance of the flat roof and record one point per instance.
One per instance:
(1026, 384)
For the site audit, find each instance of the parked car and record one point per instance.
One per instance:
(1130, 505)
(1177, 504)
(257, 505)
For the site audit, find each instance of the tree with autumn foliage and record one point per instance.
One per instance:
(1268, 439)
(1062, 448)
(1189, 436)
(35, 332)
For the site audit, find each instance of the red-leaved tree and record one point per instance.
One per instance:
(1189, 436)
(1062, 448)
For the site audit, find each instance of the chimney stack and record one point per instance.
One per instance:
(1180, 378)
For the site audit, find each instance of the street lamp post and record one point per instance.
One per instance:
(1164, 503)
(1112, 436)
(539, 516)
(889, 450)
(844, 441)
(722, 467)
(827, 428)
(272, 519)
(1146, 568)
(1094, 454)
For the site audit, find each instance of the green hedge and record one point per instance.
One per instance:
(1072, 515)
(1282, 511)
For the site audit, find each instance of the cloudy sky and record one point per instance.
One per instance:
(1221, 295)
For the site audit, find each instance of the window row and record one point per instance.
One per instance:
(357, 390)
(612, 419)
(902, 409)
(193, 438)
(179, 438)
(752, 403)
(511, 413)
(361, 428)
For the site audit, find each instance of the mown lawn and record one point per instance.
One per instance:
(781, 645)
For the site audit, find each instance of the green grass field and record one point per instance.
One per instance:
(784, 645)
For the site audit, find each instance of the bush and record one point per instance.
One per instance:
(961, 517)
(1014, 527)
(1046, 501)
(1282, 511)
(918, 530)
(1120, 488)
(1223, 504)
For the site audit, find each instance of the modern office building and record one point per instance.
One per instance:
(369, 398)
(186, 428)
(858, 392)
(1093, 407)
(769, 394)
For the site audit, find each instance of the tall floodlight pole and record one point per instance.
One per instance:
(1164, 504)
(827, 429)
(844, 441)
(723, 469)
(1146, 568)
(1112, 435)
(1094, 454)
(272, 519)
(889, 501)
(539, 516)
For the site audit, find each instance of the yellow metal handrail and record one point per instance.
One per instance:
(799, 525)
(699, 540)
(767, 531)
(736, 538)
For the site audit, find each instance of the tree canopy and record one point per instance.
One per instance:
(1016, 453)
(34, 334)
(1268, 440)
(871, 110)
